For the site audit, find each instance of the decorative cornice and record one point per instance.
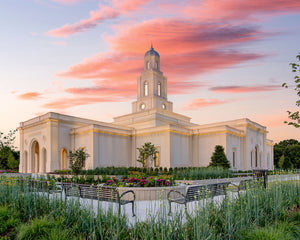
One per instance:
(220, 132)
(101, 131)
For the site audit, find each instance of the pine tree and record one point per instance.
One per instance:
(219, 159)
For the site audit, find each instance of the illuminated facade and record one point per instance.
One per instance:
(46, 140)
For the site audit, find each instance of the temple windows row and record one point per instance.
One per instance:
(146, 89)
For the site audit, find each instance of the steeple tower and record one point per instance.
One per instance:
(152, 85)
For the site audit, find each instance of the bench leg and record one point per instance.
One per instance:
(169, 214)
(133, 209)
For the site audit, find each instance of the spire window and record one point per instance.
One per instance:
(159, 89)
(146, 89)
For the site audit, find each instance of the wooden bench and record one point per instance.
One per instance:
(196, 193)
(100, 193)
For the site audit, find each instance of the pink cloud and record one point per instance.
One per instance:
(186, 49)
(29, 96)
(96, 17)
(64, 103)
(245, 89)
(201, 103)
(239, 10)
(128, 5)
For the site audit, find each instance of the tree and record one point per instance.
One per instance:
(290, 149)
(294, 116)
(7, 149)
(77, 159)
(292, 154)
(12, 163)
(219, 159)
(280, 162)
(147, 151)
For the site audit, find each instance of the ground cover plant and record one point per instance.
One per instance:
(259, 213)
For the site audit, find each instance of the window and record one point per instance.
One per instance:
(148, 65)
(233, 159)
(256, 156)
(63, 159)
(143, 106)
(159, 89)
(145, 89)
(156, 163)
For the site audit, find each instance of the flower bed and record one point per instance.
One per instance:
(141, 181)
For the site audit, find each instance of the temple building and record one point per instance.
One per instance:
(46, 140)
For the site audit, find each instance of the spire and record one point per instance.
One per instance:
(151, 46)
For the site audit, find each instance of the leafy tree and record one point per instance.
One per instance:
(147, 151)
(292, 154)
(77, 159)
(12, 162)
(294, 116)
(219, 159)
(287, 164)
(290, 150)
(7, 149)
(281, 161)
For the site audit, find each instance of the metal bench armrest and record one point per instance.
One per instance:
(168, 197)
(129, 191)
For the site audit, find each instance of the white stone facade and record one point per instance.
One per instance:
(47, 139)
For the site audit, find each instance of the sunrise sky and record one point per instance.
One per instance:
(224, 59)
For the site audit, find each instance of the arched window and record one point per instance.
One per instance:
(63, 159)
(146, 90)
(157, 156)
(35, 157)
(148, 65)
(159, 89)
(256, 156)
(234, 157)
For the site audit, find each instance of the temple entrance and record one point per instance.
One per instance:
(35, 157)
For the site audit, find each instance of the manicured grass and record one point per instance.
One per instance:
(259, 213)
